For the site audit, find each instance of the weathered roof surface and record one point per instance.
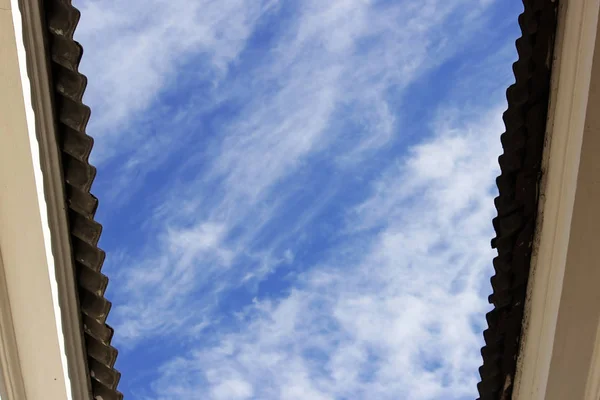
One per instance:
(520, 164)
(75, 145)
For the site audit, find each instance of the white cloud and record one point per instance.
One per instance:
(232, 389)
(134, 50)
(157, 287)
(393, 316)
(335, 62)
(395, 310)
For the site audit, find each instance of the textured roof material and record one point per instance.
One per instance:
(517, 204)
(75, 146)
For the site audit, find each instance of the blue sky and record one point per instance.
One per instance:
(297, 195)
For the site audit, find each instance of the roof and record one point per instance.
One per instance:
(517, 203)
(523, 141)
(71, 117)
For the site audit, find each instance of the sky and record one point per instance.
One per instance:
(297, 195)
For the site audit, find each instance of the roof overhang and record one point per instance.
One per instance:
(560, 347)
(518, 196)
(42, 344)
(54, 342)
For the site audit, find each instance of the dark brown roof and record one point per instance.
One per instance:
(75, 145)
(518, 184)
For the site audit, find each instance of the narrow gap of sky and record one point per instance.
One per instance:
(297, 195)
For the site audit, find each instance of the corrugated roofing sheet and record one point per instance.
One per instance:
(71, 120)
(518, 184)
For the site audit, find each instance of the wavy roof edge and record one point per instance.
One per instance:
(517, 203)
(71, 117)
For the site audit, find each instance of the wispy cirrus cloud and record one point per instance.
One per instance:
(136, 50)
(312, 97)
(391, 315)
(299, 192)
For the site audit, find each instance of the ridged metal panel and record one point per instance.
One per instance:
(517, 203)
(71, 119)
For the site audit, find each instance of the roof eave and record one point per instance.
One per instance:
(518, 184)
(38, 69)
